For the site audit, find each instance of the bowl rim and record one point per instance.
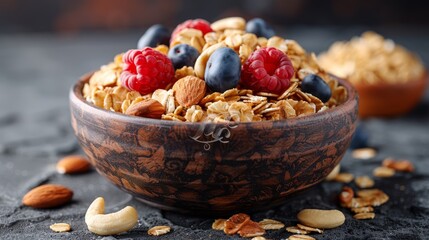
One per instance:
(76, 97)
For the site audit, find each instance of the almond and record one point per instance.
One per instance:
(189, 90)
(73, 164)
(149, 108)
(47, 196)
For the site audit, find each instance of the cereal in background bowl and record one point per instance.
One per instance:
(390, 79)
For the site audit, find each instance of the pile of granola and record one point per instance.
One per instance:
(371, 59)
(186, 100)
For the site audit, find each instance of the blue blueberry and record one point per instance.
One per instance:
(223, 70)
(260, 28)
(183, 55)
(360, 137)
(316, 86)
(154, 36)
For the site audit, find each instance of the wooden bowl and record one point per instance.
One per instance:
(213, 168)
(390, 100)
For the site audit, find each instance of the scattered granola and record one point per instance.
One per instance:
(60, 227)
(159, 230)
(383, 172)
(300, 237)
(270, 224)
(364, 153)
(344, 177)
(364, 182)
(364, 215)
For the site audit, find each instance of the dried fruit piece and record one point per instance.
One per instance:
(235, 222)
(270, 224)
(60, 227)
(321, 218)
(149, 108)
(47, 196)
(189, 90)
(398, 165)
(346, 195)
(73, 164)
(364, 215)
(375, 196)
(251, 229)
(383, 172)
(159, 230)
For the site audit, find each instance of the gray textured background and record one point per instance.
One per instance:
(36, 73)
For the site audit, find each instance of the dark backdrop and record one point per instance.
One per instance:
(112, 15)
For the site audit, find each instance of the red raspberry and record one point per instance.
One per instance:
(145, 70)
(199, 24)
(267, 70)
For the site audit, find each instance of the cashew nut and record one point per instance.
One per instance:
(201, 62)
(109, 224)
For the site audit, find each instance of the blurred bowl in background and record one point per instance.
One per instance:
(389, 100)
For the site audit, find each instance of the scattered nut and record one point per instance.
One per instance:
(383, 172)
(318, 218)
(331, 176)
(73, 164)
(159, 230)
(47, 196)
(60, 227)
(112, 223)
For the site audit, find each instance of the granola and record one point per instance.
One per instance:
(185, 104)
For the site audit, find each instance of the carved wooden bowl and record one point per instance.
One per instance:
(390, 100)
(213, 168)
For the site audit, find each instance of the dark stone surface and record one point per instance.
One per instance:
(36, 72)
